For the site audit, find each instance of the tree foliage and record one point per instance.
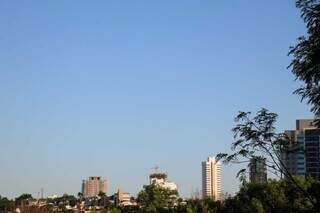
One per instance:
(23, 197)
(154, 198)
(255, 136)
(306, 55)
(6, 204)
(272, 196)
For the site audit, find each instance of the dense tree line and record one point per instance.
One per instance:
(273, 196)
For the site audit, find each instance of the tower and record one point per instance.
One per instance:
(93, 186)
(211, 178)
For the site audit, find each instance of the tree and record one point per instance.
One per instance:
(306, 55)
(65, 200)
(256, 205)
(101, 194)
(6, 204)
(154, 198)
(80, 195)
(72, 200)
(278, 196)
(103, 199)
(207, 205)
(256, 136)
(23, 197)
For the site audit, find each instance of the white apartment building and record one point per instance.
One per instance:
(211, 179)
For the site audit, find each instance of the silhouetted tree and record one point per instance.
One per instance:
(256, 136)
(306, 55)
(80, 195)
(103, 199)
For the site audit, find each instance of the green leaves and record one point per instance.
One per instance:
(305, 64)
(5, 204)
(156, 197)
(254, 136)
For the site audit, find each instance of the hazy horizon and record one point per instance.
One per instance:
(113, 89)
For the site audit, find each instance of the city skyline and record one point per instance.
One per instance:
(112, 89)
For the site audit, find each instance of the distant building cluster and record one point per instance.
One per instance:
(95, 186)
(301, 158)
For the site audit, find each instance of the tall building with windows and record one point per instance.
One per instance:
(312, 152)
(258, 169)
(211, 178)
(294, 156)
(93, 185)
(302, 157)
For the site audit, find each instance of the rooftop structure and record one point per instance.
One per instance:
(160, 179)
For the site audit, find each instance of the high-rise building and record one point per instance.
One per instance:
(258, 169)
(302, 157)
(312, 152)
(93, 185)
(211, 178)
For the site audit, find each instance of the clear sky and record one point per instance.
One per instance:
(113, 88)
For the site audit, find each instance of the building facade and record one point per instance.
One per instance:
(211, 179)
(161, 179)
(258, 170)
(302, 157)
(312, 152)
(294, 156)
(124, 199)
(93, 185)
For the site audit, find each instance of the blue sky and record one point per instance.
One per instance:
(113, 88)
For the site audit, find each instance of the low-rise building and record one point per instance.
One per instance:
(123, 199)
